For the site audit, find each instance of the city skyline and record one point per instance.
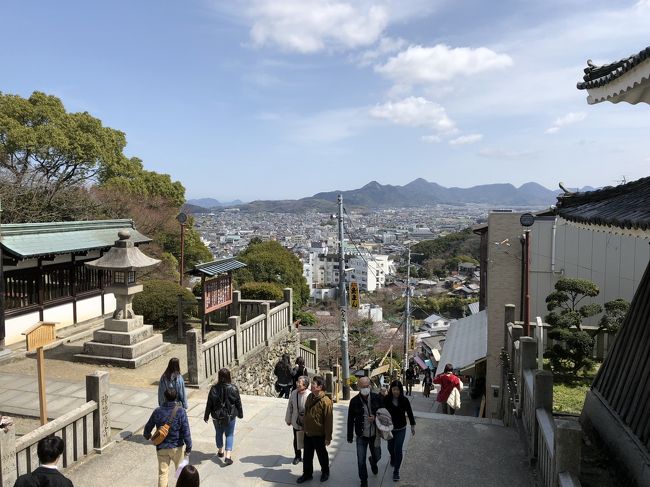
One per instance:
(285, 99)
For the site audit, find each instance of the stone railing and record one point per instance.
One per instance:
(240, 342)
(310, 355)
(554, 445)
(83, 430)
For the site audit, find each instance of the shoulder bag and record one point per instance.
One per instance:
(161, 433)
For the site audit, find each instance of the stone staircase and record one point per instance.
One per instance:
(123, 343)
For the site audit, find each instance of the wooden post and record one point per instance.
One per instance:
(42, 401)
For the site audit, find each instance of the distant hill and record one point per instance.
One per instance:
(212, 203)
(414, 194)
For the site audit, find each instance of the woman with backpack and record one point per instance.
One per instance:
(298, 371)
(282, 371)
(295, 415)
(172, 379)
(224, 406)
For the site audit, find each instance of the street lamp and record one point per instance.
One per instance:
(407, 312)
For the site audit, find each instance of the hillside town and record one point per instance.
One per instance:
(474, 326)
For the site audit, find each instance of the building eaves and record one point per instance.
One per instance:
(28, 240)
(625, 206)
(597, 76)
(211, 269)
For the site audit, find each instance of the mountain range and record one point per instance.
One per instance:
(417, 193)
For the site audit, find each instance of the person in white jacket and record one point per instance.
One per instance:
(296, 413)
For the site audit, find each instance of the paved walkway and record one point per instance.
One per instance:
(446, 451)
(130, 406)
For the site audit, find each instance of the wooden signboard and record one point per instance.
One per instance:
(37, 337)
(217, 293)
(380, 370)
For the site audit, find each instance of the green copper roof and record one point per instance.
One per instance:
(213, 268)
(25, 240)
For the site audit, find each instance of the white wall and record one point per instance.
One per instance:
(16, 325)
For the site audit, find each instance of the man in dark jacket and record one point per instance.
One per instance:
(318, 426)
(361, 421)
(171, 449)
(49, 450)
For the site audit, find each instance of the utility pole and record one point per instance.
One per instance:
(407, 317)
(343, 308)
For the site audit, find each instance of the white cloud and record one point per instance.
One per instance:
(568, 119)
(386, 46)
(328, 126)
(466, 139)
(308, 26)
(415, 112)
(431, 139)
(424, 65)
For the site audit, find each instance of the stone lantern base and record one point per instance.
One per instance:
(123, 343)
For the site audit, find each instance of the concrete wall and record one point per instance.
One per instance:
(614, 259)
(504, 278)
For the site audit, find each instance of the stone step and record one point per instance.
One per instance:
(127, 325)
(123, 338)
(123, 351)
(130, 363)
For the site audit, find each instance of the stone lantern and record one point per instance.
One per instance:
(125, 340)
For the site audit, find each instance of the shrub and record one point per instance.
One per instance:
(262, 290)
(158, 302)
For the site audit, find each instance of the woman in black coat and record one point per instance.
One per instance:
(224, 405)
(399, 408)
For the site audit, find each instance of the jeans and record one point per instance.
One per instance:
(317, 444)
(396, 448)
(228, 430)
(296, 451)
(363, 442)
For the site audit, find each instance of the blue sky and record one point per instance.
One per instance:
(279, 99)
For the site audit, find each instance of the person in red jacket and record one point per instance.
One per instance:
(447, 381)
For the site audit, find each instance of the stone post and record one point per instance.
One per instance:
(568, 444)
(235, 324)
(288, 298)
(8, 468)
(509, 317)
(98, 390)
(329, 385)
(313, 344)
(234, 306)
(266, 309)
(516, 333)
(195, 363)
(543, 389)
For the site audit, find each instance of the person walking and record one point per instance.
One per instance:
(48, 450)
(282, 371)
(410, 379)
(448, 382)
(361, 422)
(399, 408)
(318, 431)
(299, 370)
(295, 415)
(427, 383)
(224, 405)
(189, 477)
(171, 449)
(172, 379)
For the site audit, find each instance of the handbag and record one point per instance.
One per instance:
(300, 420)
(453, 401)
(161, 433)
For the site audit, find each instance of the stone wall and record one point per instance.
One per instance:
(255, 376)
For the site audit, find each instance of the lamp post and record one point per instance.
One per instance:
(2, 296)
(407, 311)
(343, 308)
(182, 219)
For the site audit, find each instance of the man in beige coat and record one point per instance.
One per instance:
(295, 415)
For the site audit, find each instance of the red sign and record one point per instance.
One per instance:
(217, 293)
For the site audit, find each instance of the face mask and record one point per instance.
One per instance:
(365, 391)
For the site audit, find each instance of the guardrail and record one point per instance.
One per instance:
(554, 445)
(84, 429)
(310, 355)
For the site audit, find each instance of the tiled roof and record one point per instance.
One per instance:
(213, 268)
(597, 76)
(26, 240)
(625, 206)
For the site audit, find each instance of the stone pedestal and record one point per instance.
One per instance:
(123, 343)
